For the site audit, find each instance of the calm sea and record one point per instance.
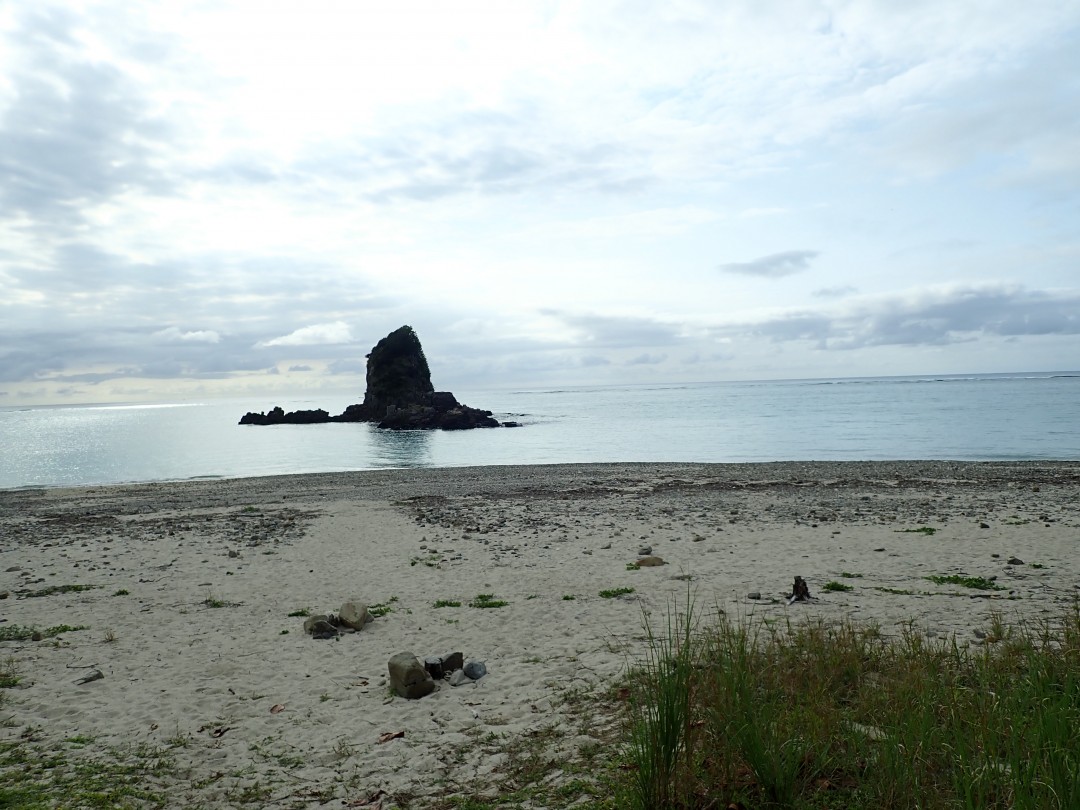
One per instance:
(979, 417)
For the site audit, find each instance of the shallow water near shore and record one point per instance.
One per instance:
(977, 417)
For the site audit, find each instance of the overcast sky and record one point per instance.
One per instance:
(215, 197)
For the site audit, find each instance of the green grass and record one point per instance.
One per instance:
(819, 715)
(836, 586)
(981, 583)
(382, 608)
(661, 711)
(487, 600)
(929, 531)
(568, 597)
(445, 603)
(848, 575)
(34, 776)
(299, 614)
(122, 592)
(611, 593)
(14, 632)
(212, 601)
(8, 676)
(633, 567)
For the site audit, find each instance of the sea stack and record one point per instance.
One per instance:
(399, 395)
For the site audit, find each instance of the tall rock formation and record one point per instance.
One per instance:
(397, 374)
(399, 395)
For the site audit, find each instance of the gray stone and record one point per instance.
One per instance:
(94, 675)
(1015, 561)
(354, 615)
(644, 551)
(459, 678)
(475, 670)
(408, 677)
(754, 595)
(319, 627)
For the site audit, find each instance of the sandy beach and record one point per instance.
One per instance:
(188, 589)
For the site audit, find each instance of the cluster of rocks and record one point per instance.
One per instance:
(412, 679)
(399, 395)
(352, 616)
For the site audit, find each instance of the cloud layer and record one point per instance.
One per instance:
(234, 198)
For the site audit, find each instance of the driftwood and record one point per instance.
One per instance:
(800, 592)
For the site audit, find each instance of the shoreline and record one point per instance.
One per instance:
(201, 638)
(927, 468)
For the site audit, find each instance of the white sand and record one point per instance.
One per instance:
(181, 671)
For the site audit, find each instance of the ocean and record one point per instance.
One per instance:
(974, 417)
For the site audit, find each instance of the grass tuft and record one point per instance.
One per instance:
(445, 603)
(836, 586)
(14, 632)
(817, 715)
(382, 608)
(981, 583)
(487, 600)
(929, 531)
(611, 593)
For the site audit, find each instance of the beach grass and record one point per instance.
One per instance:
(815, 715)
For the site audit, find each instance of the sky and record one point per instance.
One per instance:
(230, 198)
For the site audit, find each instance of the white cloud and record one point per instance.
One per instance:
(320, 334)
(172, 334)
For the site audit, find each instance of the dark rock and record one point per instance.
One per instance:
(443, 401)
(511, 424)
(984, 525)
(1015, 561)
(408, 677)
(650, 562)
(399, 395)
(397, 374)
(475, 670)
(434, 666)
(452, 661)
(276, 416)
(754, 595)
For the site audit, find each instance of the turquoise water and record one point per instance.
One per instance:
(979, 417)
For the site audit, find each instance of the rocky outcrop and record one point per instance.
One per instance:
(397, 375)
(399, 395)
(276, 416)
